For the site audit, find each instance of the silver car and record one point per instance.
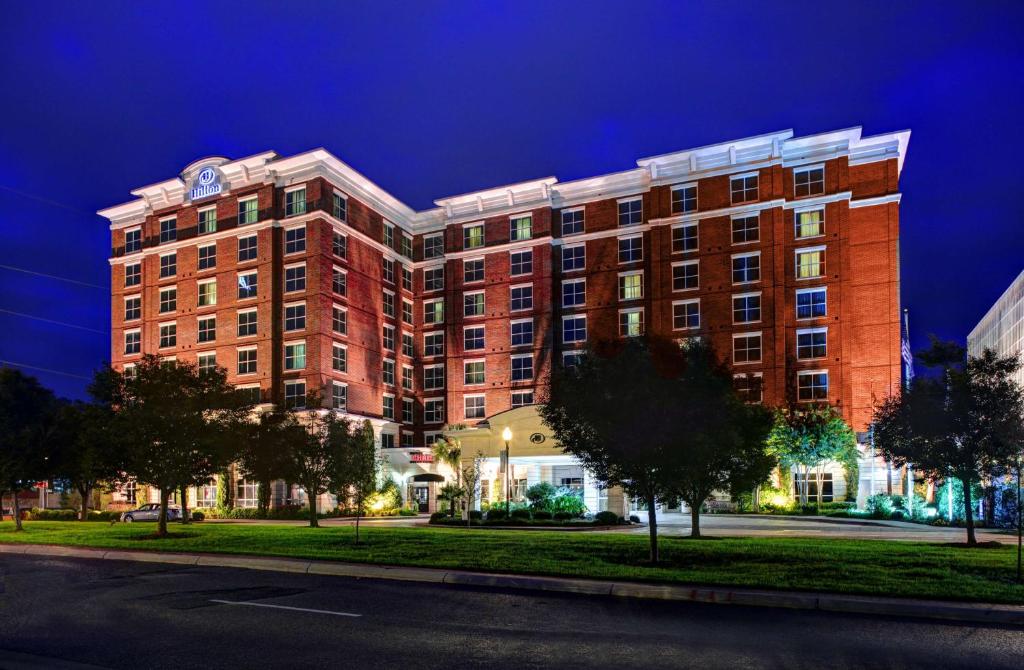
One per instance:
(150, 512)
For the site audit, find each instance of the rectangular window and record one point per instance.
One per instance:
(295, 202)
(168, 300)
(746, 348)
(339, 358)
(522, 332)
(433, 344)
(433, 279)
(407, 345)
(809, 223)
(631, 286)
(520, 228)
(811, 303)
(208, 220)
(433, 377)
(206, 363)
(473, 304)
(339, 395)
(745, 229)
(388, 235)
(339, 245)
(473, 236)
(133, 308)
(168, 230)
(574, 292)
(684, 238)
(247, 211)
(295, 317)
(387, 372)
(574, 329)
(208, 257)
(631, 249)
(522, 398)
(572, 221)
(571, 359)
(407, 417)
(388, 336)
(808, 181)
(388, 303)
(684, 198)
(812, 486)
(132, 342)
(295, 240)
(743, 188)
(406, 246)
(433, 311)
(472, 270)
(387, 270)
(521, 298)
(133, 274)
(473, 373)
(433, 410)
(387, 440)
(810, 263)
(168, 335)
(574, 258)
(207, 329)
(631, 323)
(132, 240)
(247, 248)
(250, 395)
(522, 367)
(812, 386)
(631, 211)
(749, 387)
(686, 315)
(208, 293)
(473, 338)
(746, 268)
(746, 308)
(295, 395)
(295, 278)
(339, 206)
(406, 279)
(247, 322)
(168, 265)
(475, 406)
(407, 377)
(247, 361)
(247, 285)
(339, 281)
(295, 356)
(406, 312)
(433, 246)
(811, 343)
(685, 276)
(339, 320)
(521, 262)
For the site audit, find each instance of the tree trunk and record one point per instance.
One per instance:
(804, 485)
(313, 521)
(359, 511)
(185, 517)
(756, 502)
(888, 479)
(263, 497)
(969, 513)
(819, 479)
(14, 508)
(85, 492)
(652, 525)
(695, 519)
(161, 526)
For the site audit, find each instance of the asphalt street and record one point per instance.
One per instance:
(80, 613)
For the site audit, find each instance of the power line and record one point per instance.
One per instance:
(34, 367)
(59, 323)
(46, 201)
(48, 276)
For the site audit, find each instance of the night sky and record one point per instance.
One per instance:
(437, 99)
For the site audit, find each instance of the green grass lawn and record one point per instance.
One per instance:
(849, 566)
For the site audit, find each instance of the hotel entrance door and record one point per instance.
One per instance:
(421, 494)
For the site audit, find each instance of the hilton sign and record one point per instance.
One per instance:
(206, 184)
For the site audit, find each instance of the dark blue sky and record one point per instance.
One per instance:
(436, 99)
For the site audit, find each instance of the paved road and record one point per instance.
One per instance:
(67, 612)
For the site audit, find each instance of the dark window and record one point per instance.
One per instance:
(684, 199)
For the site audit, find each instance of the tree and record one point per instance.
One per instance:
(27, 425)
(471, 476)
(356, 467)
(312, 444)
(264, 453)
(174, 424)
(86, 452)
(966, 423)
(448, 450)
(811, 437)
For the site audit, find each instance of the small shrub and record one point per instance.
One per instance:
(879, 506)
(541, 495)
(407, 512)
(198, 516)
(634, 518)
(561, 516)
(521, 514)
(496, 514)
(569, 500)
(437, 516)
(606, 518)
(897, 515)
(542, 515)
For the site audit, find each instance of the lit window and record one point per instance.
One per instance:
(295, 317)
(743, 188)
(631, 286)
(168, 230)
(746, 268)
(247, 285)
(808, 181)
(247, 211)
(295, 202)
(295, 240)
(809, 223)
(475, 407)
(247, 323)
(746, 348)
(811, 343)
(521, 262)
(207, 331)
(247, 248)
(574, 258)
(631, 323)
(168, 265)
(810, 263)
(631, 249)
(207, 293)
(572, 221)
(521, 298)
(745, 229)
(339, 358)
(295, 278)
(339, 206)
(684, 199)
(472, 270)
(746, 308)
(574, 329)
(685, 276)
(812, 386)
(295, 356)
(522, 368)
(473, 236)
(811, 303)
(686, 315)
(433, 311)
(522, 333)
(631, 211)
(473, 338)
(473, 372)
(208, 220)
(684, 238)
(168, 300)
(520, 228)
(473, 304)
(574, 292)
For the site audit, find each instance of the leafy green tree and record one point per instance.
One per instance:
(965, 423)
(356, 467)
(86, 449)
(541, 495)
(264, 453)
(312, 443)
(809, 438)
(471, 476)
(28, 414)
(448, 450)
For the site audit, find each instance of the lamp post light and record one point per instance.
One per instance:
(506, 435)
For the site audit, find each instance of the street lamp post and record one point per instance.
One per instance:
(506, 435)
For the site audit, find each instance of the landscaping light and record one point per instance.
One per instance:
(506, 434)
(780, 500)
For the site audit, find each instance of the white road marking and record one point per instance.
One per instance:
(284, 607)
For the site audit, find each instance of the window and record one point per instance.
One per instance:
(746, 268)
(684, 238)
(247, 248)
(811, 343)
(339, 206)
(295, 356)
(472, 270)
(746, 308)
(810, 263)
(522, 332)
(631, 323)
(811, 303)
(247, 320)
(339, 245)
(295, 317)
(295, 202)
(812, 385)
(433, 410)
(684, 198)
(631, 249)
(168, 335)
(247, 211)
(631, 286)
(407, 377)
(207, 329)
(473, 338)
(522, 298)
(295, 395)
(473, 372)
(475, 407)
(168, 265)
(433, 344)
(388, 270)
(572, 221)
(744, 188)
(388, 303)
(208, 293)
(247, 285)
(473, 236)
(686, 315)
(168, 300)
(521, 262)
(407, 345)
(522, 367)
(407, 417)
(389, 337)
(133, 273)
(388, 235)
(571, 359)
(132, 342)
(433, 311)
(339, 320)
(168, 230)
(433, 377)
(132, 308)
(520, 228)
(433, 246)
(132, 240)
(522, 398)
(685, 276)
(208, 220)
(406, 279)
(295, 240)
(631, 211)
(574, 258)
(473, 304)
(746, 348)
(749, 387)
(809, 223)
(745, 229)
(339, 395)
(574, 329)
(406, 246)
(339, 281)
(206, 362)
(433, 279)
(387, 441)
(207, 257)
(295, 278)
(812, 486)
(339, 357)
(574, 292)
(387, 371)
(406, 312)
(809, 181)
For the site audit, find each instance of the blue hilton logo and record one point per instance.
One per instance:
(205, 185)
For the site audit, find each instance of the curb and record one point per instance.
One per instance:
(824, 602)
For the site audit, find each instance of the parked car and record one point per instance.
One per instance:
(151, 512)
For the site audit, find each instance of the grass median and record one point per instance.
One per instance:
(870, 567)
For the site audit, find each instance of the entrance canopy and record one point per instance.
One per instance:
(427, 477)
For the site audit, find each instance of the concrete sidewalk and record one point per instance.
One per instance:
(724, 595)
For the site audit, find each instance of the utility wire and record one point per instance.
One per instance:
(59, 323)
(34, 367)
(52, 203)
(48, 276)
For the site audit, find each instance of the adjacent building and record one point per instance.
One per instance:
(1002, 327)
(298, 274)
